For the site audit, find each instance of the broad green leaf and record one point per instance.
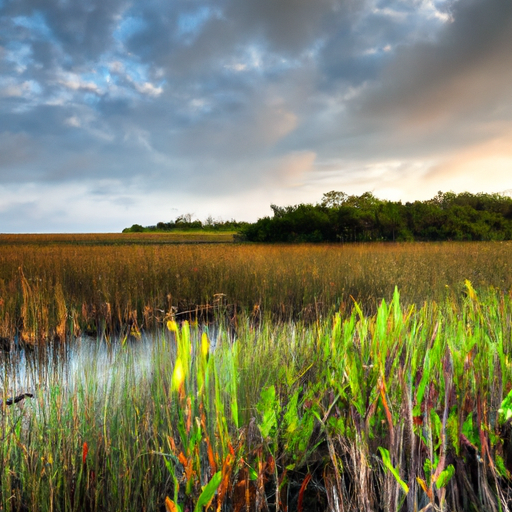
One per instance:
(505, 410)
(268, 423)
(208, 492)
(267, 406)
(386, 459)
(445, 476)
(436, 427)
(469, 430)
(452, 428)
(291, 417)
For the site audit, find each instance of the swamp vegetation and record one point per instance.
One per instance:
(236, 377)
(52, 286)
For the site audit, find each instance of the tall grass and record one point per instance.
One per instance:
(406, 409)
(53, 289)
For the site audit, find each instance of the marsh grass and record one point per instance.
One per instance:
(405, 409)
(119, 239)
(52, 290)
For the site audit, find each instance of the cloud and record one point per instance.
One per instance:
(75, 83)
(226, 102)
(244, 134)
(287, 26)
(15, 89)
(490, 159)
(293, 169)
(19, 154)
(81, 30)
(443, 89)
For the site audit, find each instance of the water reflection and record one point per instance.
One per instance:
(84, 363)
(92, 364)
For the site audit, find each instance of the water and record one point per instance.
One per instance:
(92, 364)
(84, 363)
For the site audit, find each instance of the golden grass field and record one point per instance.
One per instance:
(176, 236)
(57, 284)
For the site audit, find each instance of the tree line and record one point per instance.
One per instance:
(187, 223)
(340, 217)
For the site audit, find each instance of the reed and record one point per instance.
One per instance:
(55, 289)
(406, 409)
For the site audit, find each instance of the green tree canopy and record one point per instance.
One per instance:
(340, 217)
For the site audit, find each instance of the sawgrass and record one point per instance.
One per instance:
(55, 289)
(159, 237)
(311, 385)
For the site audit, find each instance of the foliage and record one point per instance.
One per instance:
(185, 223)
(349, 218)
(396, 410)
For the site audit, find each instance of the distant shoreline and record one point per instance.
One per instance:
(178, 237)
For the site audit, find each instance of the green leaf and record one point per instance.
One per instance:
(298, 443)
(268, 423)
(505, 410)
(386, 459)
(425, 378)
(445, 476)
(337, 425)
(500, 466)
(452, 428)
(436, 428)
(169, 466)
(469, 430)
(233, 386)
(427, 468)
(208, 492)
(253, 474)
(291, 417)
(267, 406)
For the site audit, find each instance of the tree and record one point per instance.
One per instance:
(333, 199)
(136, 228)
(391, 219)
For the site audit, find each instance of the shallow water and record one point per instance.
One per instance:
(84, 363)
(90, 363)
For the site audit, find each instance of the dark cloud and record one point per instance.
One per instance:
(433, 86)
(19, 154)
(226, 30)
(287, 26)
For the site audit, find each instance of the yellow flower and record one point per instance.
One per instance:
(205, 344)
(178, 375)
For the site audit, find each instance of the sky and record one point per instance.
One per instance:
(115, 112)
